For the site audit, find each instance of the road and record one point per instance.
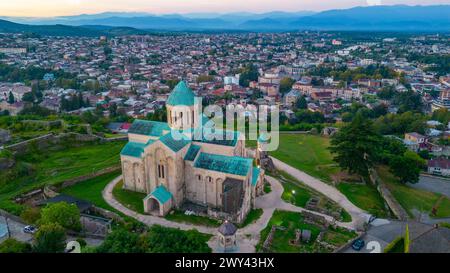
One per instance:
(433, 184)
(382, 234)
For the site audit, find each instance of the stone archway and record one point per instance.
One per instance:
(153, 206)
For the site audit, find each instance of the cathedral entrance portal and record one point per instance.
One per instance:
(153, 206)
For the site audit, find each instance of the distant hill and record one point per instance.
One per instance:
(53, 30)
(374, 18)
(63, 30)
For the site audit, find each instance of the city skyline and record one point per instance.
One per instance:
(51, 8)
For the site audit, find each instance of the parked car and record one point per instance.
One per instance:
(30, 229)
(358, 244)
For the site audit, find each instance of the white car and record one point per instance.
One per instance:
(30, 229)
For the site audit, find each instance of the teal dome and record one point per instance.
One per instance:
(181, 95)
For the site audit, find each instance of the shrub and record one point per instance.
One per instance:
(13, 246)
(64, 214)
(31, 215)
(50, 238)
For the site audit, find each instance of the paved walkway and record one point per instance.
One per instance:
(358, 215)
(148, 219)
(248, 237)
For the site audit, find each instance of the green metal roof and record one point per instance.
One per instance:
(224, 164)
(255, 175)
(264, 138)
(135, 149)
(175, 145)
(148, 128)
(221, 137)
(161, 194)
(181, 95)
(192, 152)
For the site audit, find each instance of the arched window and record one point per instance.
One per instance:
(199, 177)
(161, 173)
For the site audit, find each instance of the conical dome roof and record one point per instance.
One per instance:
(181, 95)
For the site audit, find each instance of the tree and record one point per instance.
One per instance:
(31, 215)
(120, 241)
(407, 167)
(356, 146)
(302, 103)
(50, 238)
(247, 74)
(168, 240)
(408, 101)
(62, 213)
(442, 115)
(113, 110)
(11, 245)
(386, 93)
(286, 84)
(11, 98)
(28, 97)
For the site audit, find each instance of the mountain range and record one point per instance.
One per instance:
(434, 18)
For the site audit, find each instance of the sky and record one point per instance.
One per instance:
(48, 8)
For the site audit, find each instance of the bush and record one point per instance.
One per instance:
(31, 215)
(64, 214)
(13, 246)
(50, 238)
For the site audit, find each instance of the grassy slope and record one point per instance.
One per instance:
(308, 153)
(130, 199)
(411, 198)
(91, 190)
(56, 167)
(364, 196)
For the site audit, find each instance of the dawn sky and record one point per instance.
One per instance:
(45, 8)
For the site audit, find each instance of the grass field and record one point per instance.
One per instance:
(308, 153)
(91, 190)
(415, 199)
(179, 216)
(365, 197)
(130, 199)
(50, 167)
(252, 217)
(292, 221)
(299, 194)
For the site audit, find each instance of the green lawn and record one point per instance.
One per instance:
(91, 190)
(292, 221)
(299, 194)
(411, 198)
(52, 167)
(267, 188)
(179, 216)
(130, 199)
(252, 217)
(366, 197)
(308, 153)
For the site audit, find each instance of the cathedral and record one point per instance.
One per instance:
(211, 173)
